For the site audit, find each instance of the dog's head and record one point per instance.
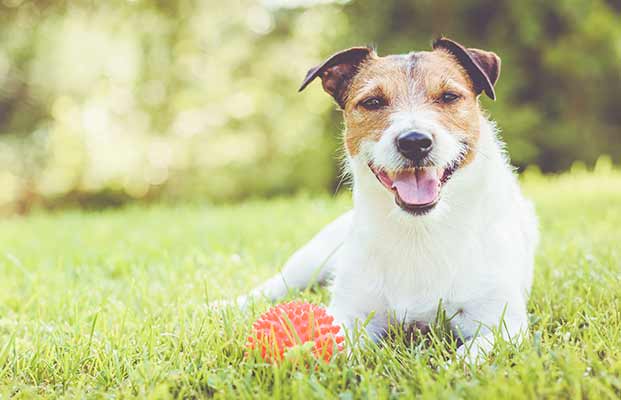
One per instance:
(414, 119)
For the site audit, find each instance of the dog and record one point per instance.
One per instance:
(438, 214)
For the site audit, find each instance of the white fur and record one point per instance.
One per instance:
(383, 153)
(474, 251)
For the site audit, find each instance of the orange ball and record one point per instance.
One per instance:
(292, 324)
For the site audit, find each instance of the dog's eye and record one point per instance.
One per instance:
(373, 103)
(448, 97)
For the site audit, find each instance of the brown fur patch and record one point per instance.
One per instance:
(411, 82)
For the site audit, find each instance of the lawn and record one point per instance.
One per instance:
(113, 304)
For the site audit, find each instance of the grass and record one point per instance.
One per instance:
(112, 304)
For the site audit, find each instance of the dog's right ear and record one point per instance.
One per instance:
(337, 72)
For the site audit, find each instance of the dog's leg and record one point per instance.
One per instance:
(353, 320)
(312, 263)
(476, 323)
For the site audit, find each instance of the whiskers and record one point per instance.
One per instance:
(345, 176)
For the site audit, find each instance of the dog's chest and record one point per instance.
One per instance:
(413, 274)
(415, 288)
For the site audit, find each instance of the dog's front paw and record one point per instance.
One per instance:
(241, 302)
(474, 352)
(468, 355)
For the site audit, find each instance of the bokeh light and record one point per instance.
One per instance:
(106, 103)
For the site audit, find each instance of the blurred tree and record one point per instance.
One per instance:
(561, 74)
(102, 102)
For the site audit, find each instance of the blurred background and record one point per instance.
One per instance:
(106, 102)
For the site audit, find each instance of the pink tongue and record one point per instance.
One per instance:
(417, 187)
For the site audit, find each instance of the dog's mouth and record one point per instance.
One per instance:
(416, 190)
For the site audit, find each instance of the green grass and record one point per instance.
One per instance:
(113, 304)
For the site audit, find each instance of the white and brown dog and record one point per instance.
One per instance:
(438, 214)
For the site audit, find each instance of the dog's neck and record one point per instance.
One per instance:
(473, 187)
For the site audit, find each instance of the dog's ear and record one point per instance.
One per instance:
(482, 66)
(337, 72)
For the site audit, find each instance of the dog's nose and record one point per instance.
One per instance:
(414, 145)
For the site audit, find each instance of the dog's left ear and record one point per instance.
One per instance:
(482, 66)
(337, 72)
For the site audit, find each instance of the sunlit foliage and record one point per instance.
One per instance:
(105, 101)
